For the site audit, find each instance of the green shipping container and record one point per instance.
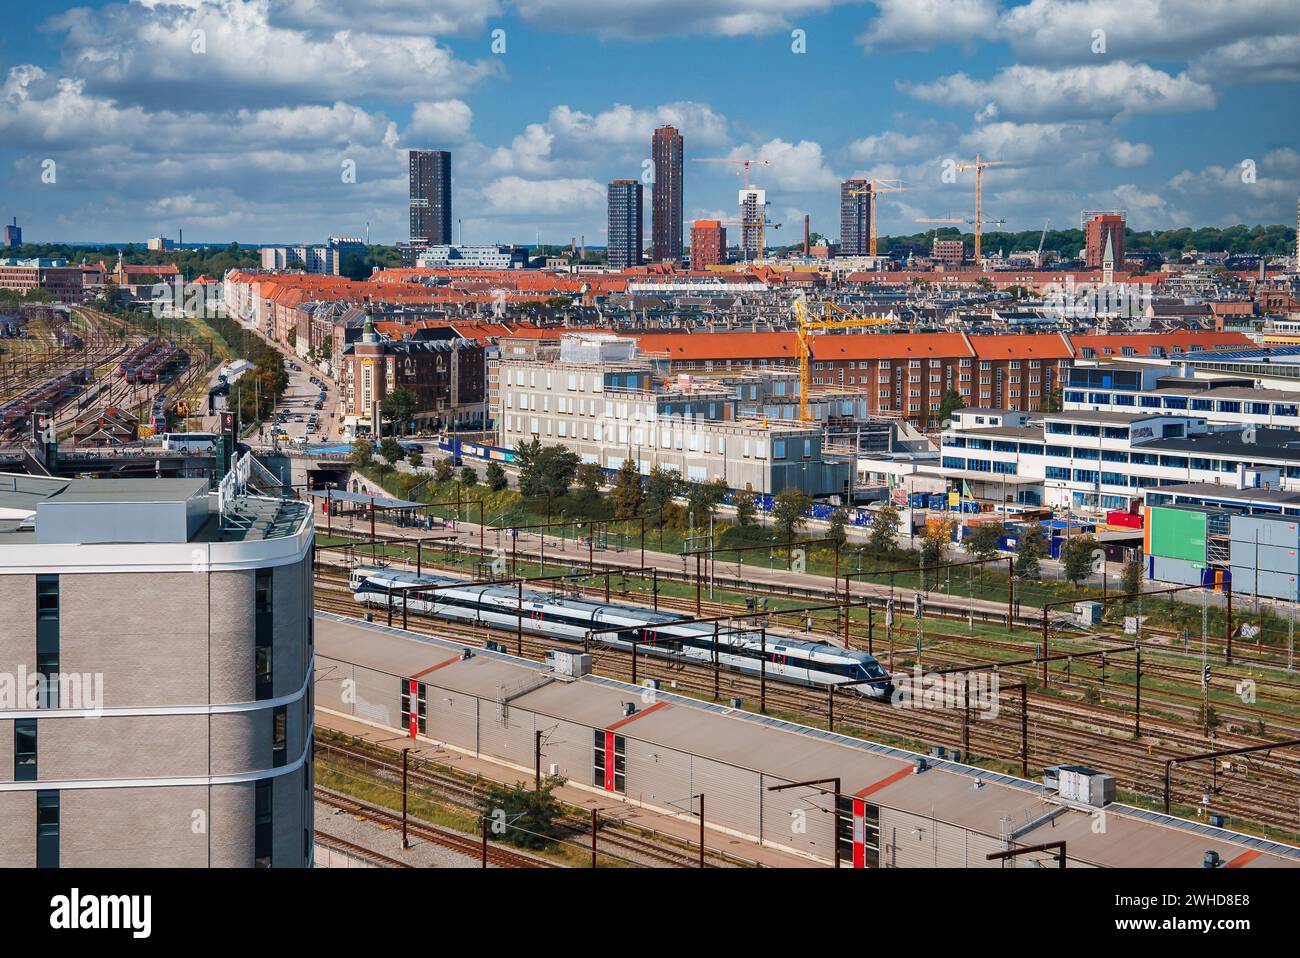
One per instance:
(1178, 534)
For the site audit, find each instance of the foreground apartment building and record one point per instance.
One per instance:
(155, 658)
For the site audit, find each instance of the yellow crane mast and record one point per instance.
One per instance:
(979, 166)
(806, 321)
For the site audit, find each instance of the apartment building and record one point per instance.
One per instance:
(155, 663)
(606, 404)
(1085, 459)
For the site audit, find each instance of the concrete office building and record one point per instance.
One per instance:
(666, 149)
(603, 402)
(155, 705)
(624, 221)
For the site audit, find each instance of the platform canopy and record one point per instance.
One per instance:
(363, 499)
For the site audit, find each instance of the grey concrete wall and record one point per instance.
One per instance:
(17, 622)
(230, 656)
(150, 648)
(17, 827)
(133, 828)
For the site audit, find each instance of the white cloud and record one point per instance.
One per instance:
(794, 167)
(1274, 59)
(1039, 93)
(515, 196)
(893, 145)
(439, 120)
(229, 52)
(644, 19)
(419, 17)
(1124, 154)
(922, 24)
(1061, 31)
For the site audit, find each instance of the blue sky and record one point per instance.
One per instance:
(236, 119)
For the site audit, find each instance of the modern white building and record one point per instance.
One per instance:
(473, 257)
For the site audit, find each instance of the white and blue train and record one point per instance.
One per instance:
(655, 633)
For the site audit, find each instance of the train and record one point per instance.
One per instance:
(662, 634)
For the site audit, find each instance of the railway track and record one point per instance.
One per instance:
(358, 851)
(633, 841)
(444, 837)
(1265, 793)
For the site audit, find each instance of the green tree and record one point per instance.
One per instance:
(398, 407)
(883, 538)
(983, 542)
(415, 458)
(545, 470)
(589, 477)
(1053, 401)
(1077, 558)
(627, 494)
(952, 401)
(661, 486)
(789, 510)
(835, 531)
(529, 813)
(496, 477)
(443, 470)
(703, 499)
(468, 476)
(1131, 578)
(392, 450)
(746, 509)
(363, 452)
(1030, 548)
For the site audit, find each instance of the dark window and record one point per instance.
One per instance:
(619, 758)
(47, 829)
(264, 635)
(279, 735)
(24, 750)
(262, 833)
(871, 836)
(421, 706)
(47, 639)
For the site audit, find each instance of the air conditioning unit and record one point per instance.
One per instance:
(572, 665)
(1087, 786)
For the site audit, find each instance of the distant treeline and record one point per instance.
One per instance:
(214, 260)
(1266, 240)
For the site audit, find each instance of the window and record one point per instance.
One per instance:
(279, 735)
(262, 822)
(47, 640)
(24, 750)
(263, 634)
(47, 829)
(611, 777)
(410, 686)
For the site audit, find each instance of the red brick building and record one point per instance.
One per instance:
(708, 244)
(1095, 232)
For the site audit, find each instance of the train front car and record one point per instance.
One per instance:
(875, 682)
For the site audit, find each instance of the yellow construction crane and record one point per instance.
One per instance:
(805, 322)
(875, 186)
(979, 166)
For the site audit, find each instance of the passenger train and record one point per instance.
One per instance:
(655, 633)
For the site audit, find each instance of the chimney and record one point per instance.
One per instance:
(806, 245)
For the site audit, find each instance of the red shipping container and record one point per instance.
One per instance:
(1129, 520)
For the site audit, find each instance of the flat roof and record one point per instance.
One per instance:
(1269, 442)
(1217, 491)
(131, 490)
(973, 798)
(1092, 415)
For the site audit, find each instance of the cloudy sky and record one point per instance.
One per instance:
(286, 120)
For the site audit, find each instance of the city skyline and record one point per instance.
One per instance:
(288, 122)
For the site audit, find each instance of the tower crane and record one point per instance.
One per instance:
(1038, 257)
(875, 186)
(806, 322)
(979, 166)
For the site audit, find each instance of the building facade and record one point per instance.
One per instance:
(708, 244)
(623, 246)
(430, 197)
(1097, 230)
(855, 217)
(666, 149)
(166, 720)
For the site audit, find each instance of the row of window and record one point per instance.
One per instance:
(1183, 403)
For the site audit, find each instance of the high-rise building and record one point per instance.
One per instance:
(708, 244)
(624, 244)
(855, 217)
(666, 197)
(1097, 228)
(753, 214)
(430, 179)
(180, 620)
(13, 234)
